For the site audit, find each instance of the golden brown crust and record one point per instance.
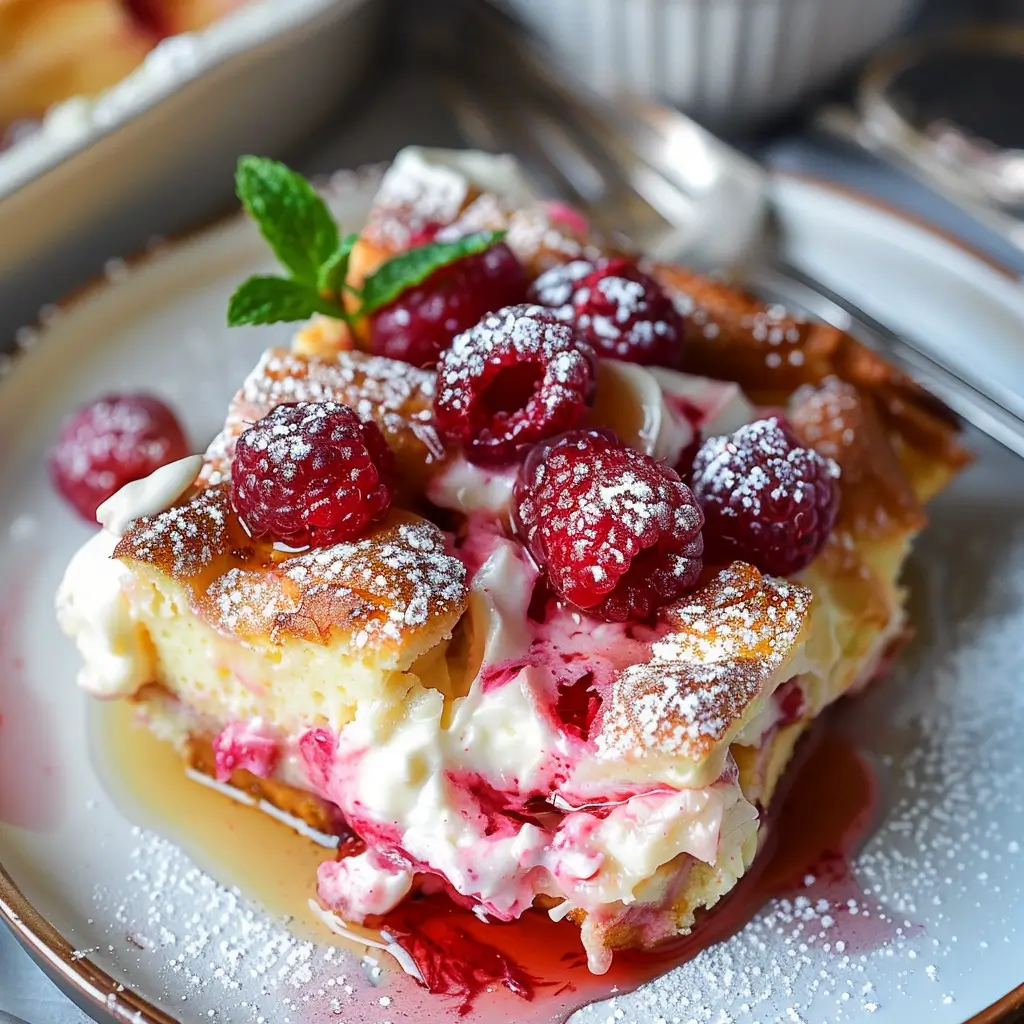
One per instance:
(728, 640)
(770, 353)
(397, 397)
(189, 540)
(321, 337)
(388, 589)
(878, 499)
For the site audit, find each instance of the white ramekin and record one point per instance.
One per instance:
(728, 62)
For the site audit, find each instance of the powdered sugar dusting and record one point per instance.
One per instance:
(774, 472)
(396, 396)
(506, 341)
(184, 540)
(556, 287)
(404, 574)
(729, 641)
(215, 957)
(248, 603)
(381, 589)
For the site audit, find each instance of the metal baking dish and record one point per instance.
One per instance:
(155, 153)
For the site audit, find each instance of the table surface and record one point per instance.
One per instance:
(404, 112)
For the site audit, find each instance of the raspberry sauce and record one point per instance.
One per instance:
(534, 970)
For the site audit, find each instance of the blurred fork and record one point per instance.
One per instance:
(676, 191)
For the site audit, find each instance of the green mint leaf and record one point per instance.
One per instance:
(333, 272)
(291, 216)
(409, 268)
(269, 300)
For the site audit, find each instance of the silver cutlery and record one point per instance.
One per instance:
(675, 190)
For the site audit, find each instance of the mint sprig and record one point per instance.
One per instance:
(414, 266)
(291, 216)
(332, 274)
(271, 300)
(299, 227)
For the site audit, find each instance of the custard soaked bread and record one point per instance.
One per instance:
(540, 609)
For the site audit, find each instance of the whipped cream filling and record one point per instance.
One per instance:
(465, 487)
(405, 795)
(93, 609)
(714, 406)
(362, 885)
(481, 792)
(149, 496)
(661, 412)
(437, 796)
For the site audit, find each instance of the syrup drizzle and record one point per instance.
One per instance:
(533, 970)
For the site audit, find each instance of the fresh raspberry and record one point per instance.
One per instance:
(556, 287)
(766, 499)
(620, 311)
(518, 376)
(311, 474)
(625, 314)
(422, 321)
(618, 533)
(111, 442)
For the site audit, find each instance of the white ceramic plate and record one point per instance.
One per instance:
(947, 726)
